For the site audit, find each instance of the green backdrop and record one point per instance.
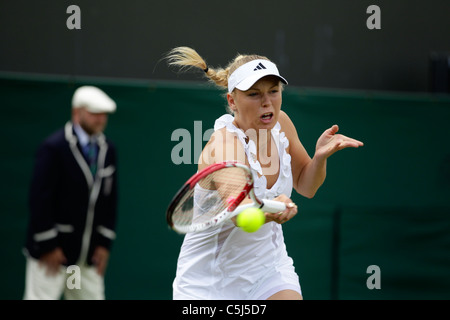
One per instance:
(385, 204)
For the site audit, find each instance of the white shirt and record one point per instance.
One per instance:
(227, 263)
(82, 135)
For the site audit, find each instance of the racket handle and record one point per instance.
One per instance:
(273, 206)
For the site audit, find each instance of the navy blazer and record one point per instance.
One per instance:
(69, 208)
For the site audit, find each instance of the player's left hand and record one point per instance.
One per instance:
(330, 142)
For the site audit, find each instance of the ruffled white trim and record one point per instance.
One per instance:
(260, 181)
(250, 147)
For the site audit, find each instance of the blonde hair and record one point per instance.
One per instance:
(187, 58)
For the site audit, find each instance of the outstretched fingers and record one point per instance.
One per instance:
(331, 131)
(330, 142)
(346, 142)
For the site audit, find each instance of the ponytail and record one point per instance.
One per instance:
(186, 58)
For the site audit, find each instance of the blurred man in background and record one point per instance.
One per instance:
(73, 205)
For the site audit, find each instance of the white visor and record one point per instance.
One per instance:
(246, 75)
(93, 99)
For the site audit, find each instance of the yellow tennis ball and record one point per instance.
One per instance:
(251, 219)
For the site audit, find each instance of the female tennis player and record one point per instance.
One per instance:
(226, 262)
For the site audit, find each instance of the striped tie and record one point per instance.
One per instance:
(91, 154)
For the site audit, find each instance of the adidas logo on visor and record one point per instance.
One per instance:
(247, 74)
(260, 66)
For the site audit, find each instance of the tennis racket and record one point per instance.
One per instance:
(213, 195)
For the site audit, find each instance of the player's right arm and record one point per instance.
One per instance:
(222, 146)
(225, 146)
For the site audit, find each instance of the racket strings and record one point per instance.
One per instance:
(210, 196)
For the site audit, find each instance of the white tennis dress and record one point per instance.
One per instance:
(226, 263)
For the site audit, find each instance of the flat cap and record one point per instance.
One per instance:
(93, 99)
